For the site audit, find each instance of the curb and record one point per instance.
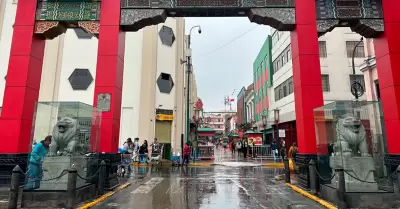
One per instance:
(103, 197)
(312, 197)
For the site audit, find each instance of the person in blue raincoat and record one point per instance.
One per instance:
(35, 172)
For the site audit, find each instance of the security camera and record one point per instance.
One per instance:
(199, 30)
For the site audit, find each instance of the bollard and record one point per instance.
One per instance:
(287, 170)
(313, 176)
(341, 190)
(71, 188)
(398, 177)
(14, 188)
(102, 177)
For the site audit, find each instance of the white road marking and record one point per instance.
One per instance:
(239, 185)
(4, 201)
(148, 186)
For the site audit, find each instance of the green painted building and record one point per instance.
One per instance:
(262, 78)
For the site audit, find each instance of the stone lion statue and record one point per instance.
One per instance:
(65, 137)
(351, 138)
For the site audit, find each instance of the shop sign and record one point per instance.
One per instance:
(163, 117)
(282, 133)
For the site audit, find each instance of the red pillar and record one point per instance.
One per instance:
(387, 53)
(22, 83)
(306, 74)
(109, 72)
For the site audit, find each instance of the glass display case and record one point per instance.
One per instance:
(350, 135)
(74, 130)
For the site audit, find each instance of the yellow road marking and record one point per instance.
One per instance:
(313, 197)
(103, 197)
(273, 165)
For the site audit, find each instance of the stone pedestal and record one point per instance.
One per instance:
(54, 166)
(361, 167)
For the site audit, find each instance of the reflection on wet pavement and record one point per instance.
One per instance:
(206, 188)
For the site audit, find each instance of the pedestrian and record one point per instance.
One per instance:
(244, 147)
(239, 146)
(136, 147)
(274, 149)
(143, 153)
(186, 153)
(128, 147)
(225, 144)
(251, 147)
(35, 171)
(155, 146)
(283, 149)
(233, 147)
(292, 155)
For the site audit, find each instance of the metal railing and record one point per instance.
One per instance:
(260, 152)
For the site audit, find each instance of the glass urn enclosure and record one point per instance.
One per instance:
(350, 135)
(75, 131)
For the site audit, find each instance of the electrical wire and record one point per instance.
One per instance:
(233, 40)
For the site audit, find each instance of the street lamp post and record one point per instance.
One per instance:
(276, 118)
(356, 88)
(188, 66)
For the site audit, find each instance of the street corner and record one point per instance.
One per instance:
(103, 197)
(311, 196)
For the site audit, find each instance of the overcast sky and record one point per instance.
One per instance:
(227, 68)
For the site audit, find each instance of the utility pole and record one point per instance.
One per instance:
(189, 70)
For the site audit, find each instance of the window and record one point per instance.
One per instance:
(282, 59)
(378, 91)
(284, 90)
(290, 86)
(359, 51)
(80, 79)
(278, 64)
(325, 83)
(322, 49)
(359, 79)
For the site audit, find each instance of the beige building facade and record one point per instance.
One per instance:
(154, 86)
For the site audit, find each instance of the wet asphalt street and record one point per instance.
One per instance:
(220, 186)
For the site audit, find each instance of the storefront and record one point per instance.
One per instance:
(287, 132)
(205, 141)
